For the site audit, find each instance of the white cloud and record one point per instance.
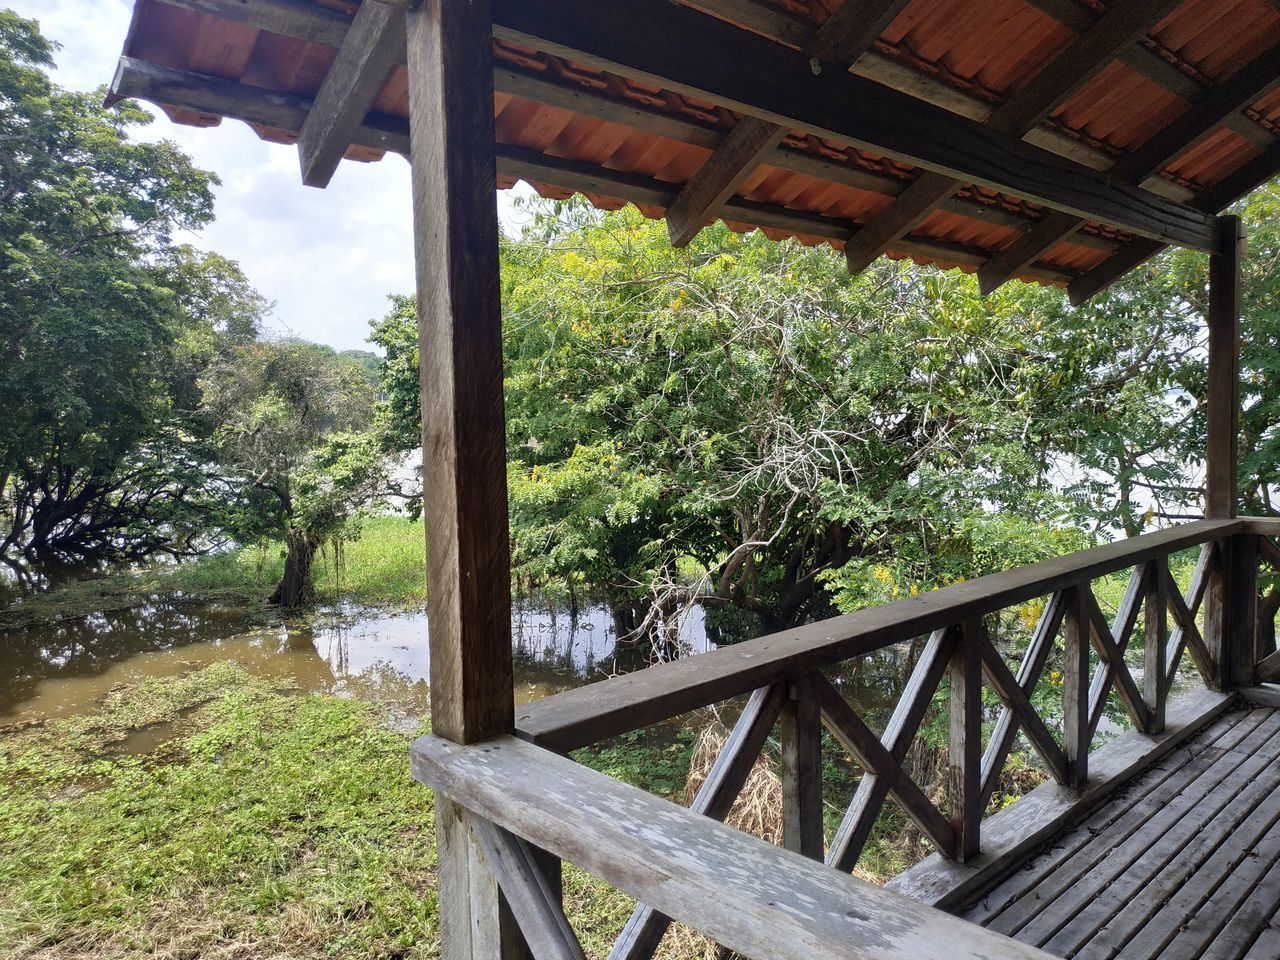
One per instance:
(328, 258)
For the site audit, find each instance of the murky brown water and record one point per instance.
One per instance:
(59, 669)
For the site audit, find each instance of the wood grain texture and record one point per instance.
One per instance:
(964, 768)
(1076, 735)
(750, 896)
(460, 342)
(373, 45)
(876, 759)
(690, 53)
(610, 707)
(801, 748)
(844, 36)
(1223, 403)
(855, 828)
(1017, 831)
(724, 782)
(534, 903)
(1029, 670)
(475, 922)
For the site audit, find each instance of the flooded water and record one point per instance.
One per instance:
(53, 670)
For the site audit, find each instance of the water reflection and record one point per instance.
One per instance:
(62, 668)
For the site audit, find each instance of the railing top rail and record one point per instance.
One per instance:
(752, 897)
(618, 705)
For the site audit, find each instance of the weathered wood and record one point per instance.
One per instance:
(610, 707)
(1112, 655)
(1075, 686)
(1155, 641)
(1009, 836)
(1213, 901)
(748, 895)
(373, 45)
(925, 195)
(475, 921)
(1057, 80)
(719, 178)
(1262, 696)
(239, 101)
(917, 696)
(691, 53)
(1212, 108)
(1075, 900)
(724, 782)
(1029, 671)
(844, 36)
(964, 780)
(772, 21)
(801, 743)
(305, 21)
(874, 758)
(1122, 630)
(1173, 844)
(1018, 700)
(1242, 599)
(534, 904)
(1223, 403)
(1186, 633)
(1052, 869)
(460, 335)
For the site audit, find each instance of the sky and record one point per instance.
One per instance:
(329, 258)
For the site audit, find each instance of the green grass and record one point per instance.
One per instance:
(384, 566)
(266, 825)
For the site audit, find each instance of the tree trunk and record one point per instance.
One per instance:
(294, 588)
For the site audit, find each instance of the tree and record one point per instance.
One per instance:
(744, 424)
(293, 436)
(96, 447)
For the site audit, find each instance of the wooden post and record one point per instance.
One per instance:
(1075, 687)
(1156, 641)
(1223, 424)
(460, 345)
(455, 220)
(802, 770)
(965, 791)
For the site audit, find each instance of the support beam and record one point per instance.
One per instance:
(460, 334)
(844, 37)
(1223, 389)
(719, 178)
(925, 195)
(801, 747)
(1024, 110)
(694, 54)
(1213, 109)
(373, 45)
(965, 768)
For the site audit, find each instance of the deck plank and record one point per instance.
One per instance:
(1183, 864)
(1192, 822)
(1058, 895)
(1196, 757)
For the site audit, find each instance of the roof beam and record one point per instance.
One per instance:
(1025, 109)
(238, 101)
(1224, 100)
(373, 45)
(844, 37)
(1261, 169)
(687, 52)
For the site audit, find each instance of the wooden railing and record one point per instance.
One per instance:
(782, 677)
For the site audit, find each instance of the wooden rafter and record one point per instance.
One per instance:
(1025, 109)
(843, 38)
(147, 81)
(1223, 101)
(681, 50)
(1260, 170)
(373, 45)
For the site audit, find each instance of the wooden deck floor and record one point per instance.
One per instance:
(1185, 863)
